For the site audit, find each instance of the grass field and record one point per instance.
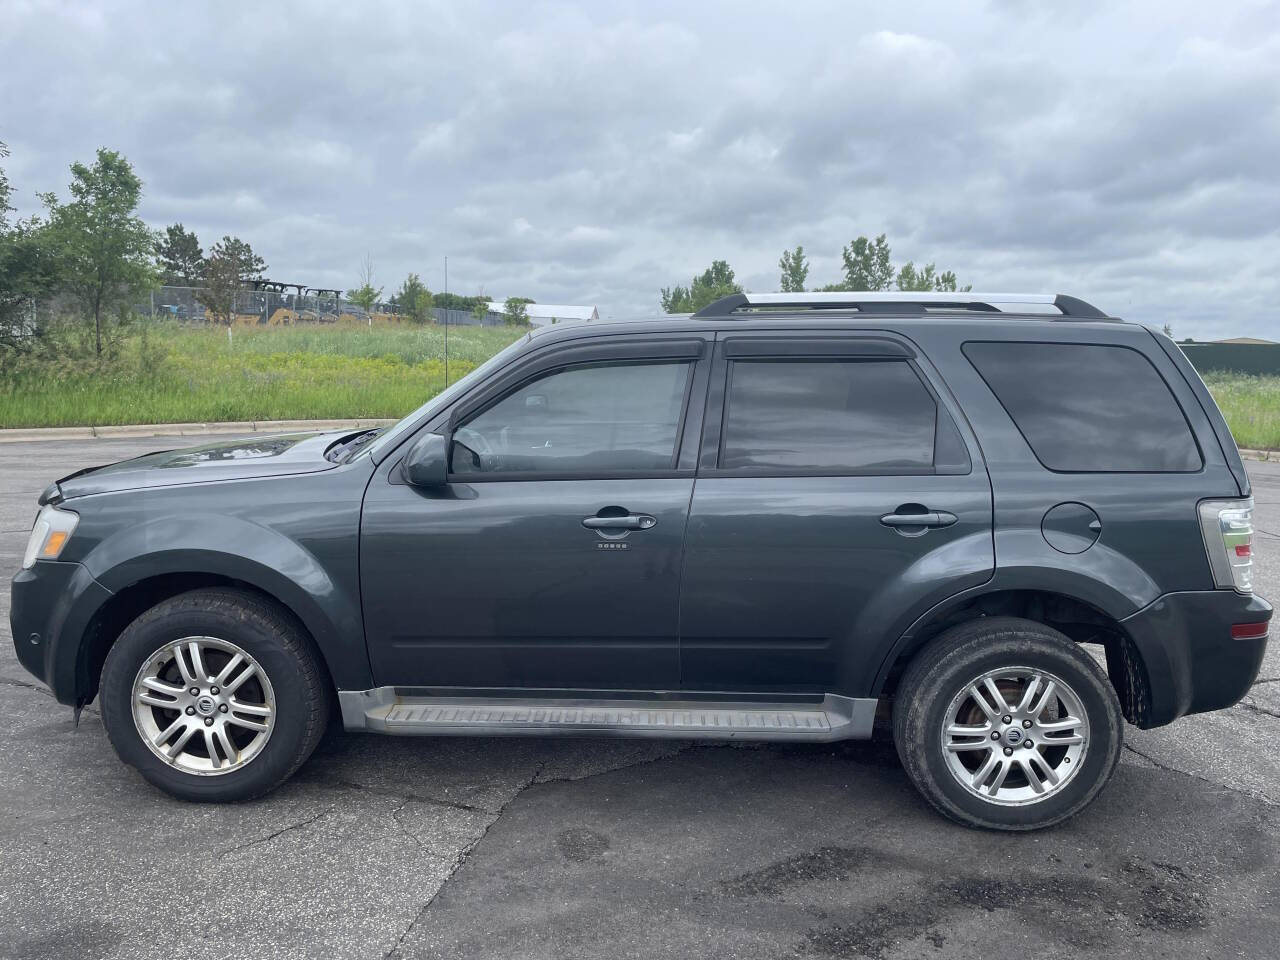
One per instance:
(171, 375)
(1251, 405)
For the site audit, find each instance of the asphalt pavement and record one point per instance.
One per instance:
(457, 848)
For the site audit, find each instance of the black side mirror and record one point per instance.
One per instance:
(427, 463)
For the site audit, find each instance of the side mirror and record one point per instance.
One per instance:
(427, 463)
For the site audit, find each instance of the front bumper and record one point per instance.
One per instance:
(51, 607)
(1192, 662)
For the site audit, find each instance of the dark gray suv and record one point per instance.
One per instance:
(766, 521)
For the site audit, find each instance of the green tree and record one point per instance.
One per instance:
(221, 285)
(516, 311)
(795, 270)
(179, 257)
(715, 282)
(27, 267)
(867, 265)
(249, 265)
(414, 299)
(366, 295)
(104, 250)
(453, 301)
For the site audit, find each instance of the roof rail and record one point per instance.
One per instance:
(904, 301)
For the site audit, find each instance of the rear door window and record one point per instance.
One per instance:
(1088, 408)
(842, 416)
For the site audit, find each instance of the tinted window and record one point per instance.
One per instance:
(605, 418)
(842, 416)
(1088, 408)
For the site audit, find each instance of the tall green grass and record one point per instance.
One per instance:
(169, 375)
(1251, 404)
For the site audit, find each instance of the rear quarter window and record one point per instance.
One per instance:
(1089, 408)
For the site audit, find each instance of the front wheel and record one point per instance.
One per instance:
(214, 695)
(1007, 724)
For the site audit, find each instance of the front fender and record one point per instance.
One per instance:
(240, 549)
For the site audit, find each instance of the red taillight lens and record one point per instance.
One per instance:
(1249, 631)
(1244, 550)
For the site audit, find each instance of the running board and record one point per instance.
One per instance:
(387, 710)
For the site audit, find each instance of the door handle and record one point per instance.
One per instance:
(935, 518)
(633, 521)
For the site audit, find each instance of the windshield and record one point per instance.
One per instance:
(396, 432)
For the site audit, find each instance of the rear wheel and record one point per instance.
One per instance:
(1007, 724)
(214, 695)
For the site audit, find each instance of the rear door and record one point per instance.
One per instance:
(838, 495)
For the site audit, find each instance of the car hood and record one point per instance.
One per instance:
(238, 459)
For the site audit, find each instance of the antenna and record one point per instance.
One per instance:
(446, 322)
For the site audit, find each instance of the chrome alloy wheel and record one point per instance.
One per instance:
(1015, 736)
(203, 705)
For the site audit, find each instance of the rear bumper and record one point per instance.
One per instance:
(51, 607)
(1192, 662)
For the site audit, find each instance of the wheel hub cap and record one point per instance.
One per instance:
(203, 705)
(1015, 735)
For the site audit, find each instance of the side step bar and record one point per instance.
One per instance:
(388, 710)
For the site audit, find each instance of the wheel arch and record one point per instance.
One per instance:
(131, 600)
(1081, 620)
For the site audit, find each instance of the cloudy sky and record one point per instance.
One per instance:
(595, 152)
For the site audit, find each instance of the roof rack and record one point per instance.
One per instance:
(741, 305)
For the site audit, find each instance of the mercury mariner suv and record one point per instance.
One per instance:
(768, 521)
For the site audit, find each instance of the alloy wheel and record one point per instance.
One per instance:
(1015, 735)
(203, 705)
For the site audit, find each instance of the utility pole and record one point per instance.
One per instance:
(446, 323)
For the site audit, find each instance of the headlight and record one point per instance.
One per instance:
(50, 534)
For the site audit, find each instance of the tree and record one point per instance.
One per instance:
(104, 250)
(249, 265)
(516, 311)
(365, 295)
(480, 310)
(715, 282)
(27, 266)
(221, 284)
(795, 270)
(414, 299)
(867, 265)
(1168, 331)
(179, 257)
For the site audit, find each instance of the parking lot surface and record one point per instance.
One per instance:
(384, 847)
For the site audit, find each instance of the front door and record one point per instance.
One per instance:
(552, 559)
(836, 496)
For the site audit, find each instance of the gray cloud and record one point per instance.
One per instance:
(596, 152)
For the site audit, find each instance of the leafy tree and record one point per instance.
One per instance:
(480, 310)
(795, 270)
(27, 266)
(366, 295)
(179, 256)
(867, 265)
(414, 299)
(715, 282)
(249, 265)
(104, 250)
(453, 301)
(516, 311)
(221, 285)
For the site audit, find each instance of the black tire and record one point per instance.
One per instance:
(942, 670)
(271, 636)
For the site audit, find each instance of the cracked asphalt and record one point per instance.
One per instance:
(386, 847)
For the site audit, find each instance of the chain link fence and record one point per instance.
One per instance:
(280, 309)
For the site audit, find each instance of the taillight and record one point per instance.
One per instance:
(1227, 526)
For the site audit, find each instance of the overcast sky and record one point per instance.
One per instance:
(595, 152)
